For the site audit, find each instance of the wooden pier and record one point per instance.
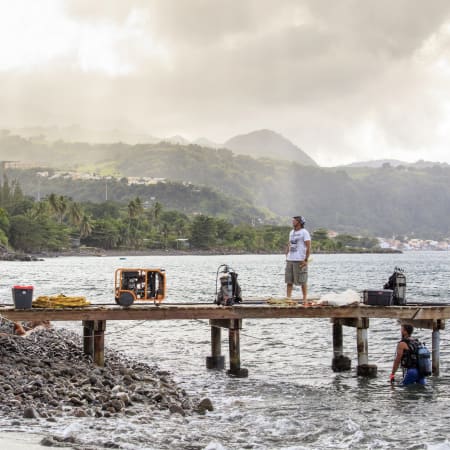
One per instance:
(94, 320)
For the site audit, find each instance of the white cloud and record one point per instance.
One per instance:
(344, 80)
(32, 33)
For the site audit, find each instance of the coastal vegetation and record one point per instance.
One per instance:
(412, 200)
(58, 223)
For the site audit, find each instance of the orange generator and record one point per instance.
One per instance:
(139, 285)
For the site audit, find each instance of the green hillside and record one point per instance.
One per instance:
(185, 198)
(383, 201)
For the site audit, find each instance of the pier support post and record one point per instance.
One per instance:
(435, 346)
(364, 369)
(88, 337)
(99, 342)
(234, 346)
(340, 362)
(216, 360)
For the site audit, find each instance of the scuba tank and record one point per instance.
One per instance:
(397, 282)
(227, 282)
(229, 291)
(423, 360)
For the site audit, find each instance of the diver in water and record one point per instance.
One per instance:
(406, 358)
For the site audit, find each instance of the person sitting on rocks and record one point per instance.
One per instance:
(10, 327)
(33, 324)
(19, 329)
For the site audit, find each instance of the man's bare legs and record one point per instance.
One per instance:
(288, 290)
(304, 287)
(304, 292)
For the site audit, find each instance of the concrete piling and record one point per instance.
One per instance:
(99, 342)
(88, 337)
(435, 348)
(364, 369)
(235, 353)
(340, 362)
(216, 360)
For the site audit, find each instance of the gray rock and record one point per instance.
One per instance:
(205, 405)
(123, 397)
(80, 413)
(75, 401)
(137, 398)
(48, 442)
(30, 413)
(176, 409)
(117, 404)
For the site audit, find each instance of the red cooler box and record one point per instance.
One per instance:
(382, 297)
(22, 296)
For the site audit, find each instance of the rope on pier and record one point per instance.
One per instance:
(60, 301)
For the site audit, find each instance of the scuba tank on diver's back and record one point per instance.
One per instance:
(423, 360)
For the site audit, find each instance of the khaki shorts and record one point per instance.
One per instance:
(294, 274)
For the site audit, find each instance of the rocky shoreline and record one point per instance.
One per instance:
(160, 252)
(19, 257)
(45, 375)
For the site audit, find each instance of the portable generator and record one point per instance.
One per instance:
(139, 285)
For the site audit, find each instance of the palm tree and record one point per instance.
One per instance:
(63, 205)
(39, 209)
(132, 209)
(58, 205)
(139, 206)
(53, 202)
(86, 226)
(156, 213)
(165, 232)
(75, 213)
(181, 227)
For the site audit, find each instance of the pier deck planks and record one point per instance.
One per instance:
(140, 311)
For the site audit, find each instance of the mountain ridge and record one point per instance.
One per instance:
(268, 144)
(257, 144)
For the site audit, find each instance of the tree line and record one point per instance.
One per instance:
(57, 223)
(385, 201)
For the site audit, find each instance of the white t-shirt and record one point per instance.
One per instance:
(297, 247)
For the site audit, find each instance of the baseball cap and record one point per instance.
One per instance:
(301, 219)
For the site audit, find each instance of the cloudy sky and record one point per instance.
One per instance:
(344, 80)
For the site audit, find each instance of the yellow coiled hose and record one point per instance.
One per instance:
(282, 301)
(59, 301)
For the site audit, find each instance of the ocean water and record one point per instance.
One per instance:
(291, 399)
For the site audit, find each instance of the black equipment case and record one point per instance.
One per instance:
(381, 297)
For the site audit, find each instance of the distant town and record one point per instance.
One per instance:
(93, 176)
(414, 244)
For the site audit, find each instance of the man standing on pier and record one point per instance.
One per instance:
(297, 254)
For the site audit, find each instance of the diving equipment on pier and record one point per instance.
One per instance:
(397, 282)
(229, 291)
